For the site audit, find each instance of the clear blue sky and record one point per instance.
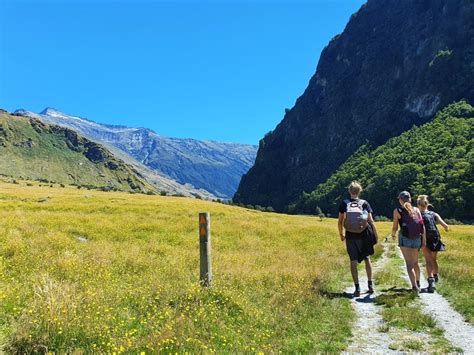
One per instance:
(221, 70)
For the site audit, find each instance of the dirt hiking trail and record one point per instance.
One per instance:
(372, 334)
(456, 330)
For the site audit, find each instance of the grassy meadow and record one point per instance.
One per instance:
(456, 268)
(115, 272)
(84, 271)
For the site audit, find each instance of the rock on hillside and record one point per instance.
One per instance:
(213, 166)
(395, 65)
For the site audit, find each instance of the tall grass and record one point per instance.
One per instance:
(456, 267)
(94, 271)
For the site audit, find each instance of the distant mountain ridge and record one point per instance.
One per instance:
(213, 166)
(33, 150)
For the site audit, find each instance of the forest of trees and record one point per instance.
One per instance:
(434, 159)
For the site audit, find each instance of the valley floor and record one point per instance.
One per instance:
(90, 271)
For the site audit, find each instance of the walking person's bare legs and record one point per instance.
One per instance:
(411, 260)
(368, 268)
(355, 275)
(434, 254)
(416, 267)
(429, 260)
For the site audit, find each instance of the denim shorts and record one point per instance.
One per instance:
(409, 243)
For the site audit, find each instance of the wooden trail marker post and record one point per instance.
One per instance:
(205, 248)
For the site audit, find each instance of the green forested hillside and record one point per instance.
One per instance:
(434, 159)
(30, 149)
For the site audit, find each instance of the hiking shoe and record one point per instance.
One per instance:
(431, 287)
(415, 290)
(357, 293)
(436, 277)
(371, 290)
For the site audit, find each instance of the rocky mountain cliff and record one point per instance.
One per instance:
(395, 65)
(213, 166)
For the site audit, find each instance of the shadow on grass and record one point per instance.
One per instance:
(321, 287)
(395, 297)
(332, 295)
(396, 289)
(366, 299)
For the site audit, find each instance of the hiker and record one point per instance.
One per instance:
(411, 237)
(433, 239)
(355, 227)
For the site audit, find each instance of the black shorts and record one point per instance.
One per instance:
(435, 244)
(359, 246)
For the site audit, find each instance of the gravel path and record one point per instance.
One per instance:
(366, 335)
(457, 331)
(368, 331)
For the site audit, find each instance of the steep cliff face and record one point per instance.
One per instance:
(395, 65)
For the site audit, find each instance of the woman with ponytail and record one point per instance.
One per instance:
(411, 237)
(433, 239)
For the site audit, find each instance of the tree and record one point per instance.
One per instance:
(319, 213)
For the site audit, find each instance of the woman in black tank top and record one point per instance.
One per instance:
(433, 240)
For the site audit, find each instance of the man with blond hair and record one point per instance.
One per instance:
(356, 227)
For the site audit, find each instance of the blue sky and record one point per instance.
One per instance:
(221, 70)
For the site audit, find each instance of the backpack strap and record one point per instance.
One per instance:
(400, 211)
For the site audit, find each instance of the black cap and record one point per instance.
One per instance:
(404, 195)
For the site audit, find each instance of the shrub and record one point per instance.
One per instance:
(453, 221)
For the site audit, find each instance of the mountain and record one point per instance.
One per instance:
(161, 182)
(31, 149)
(436, 159)
(213, 166)
(395, 65)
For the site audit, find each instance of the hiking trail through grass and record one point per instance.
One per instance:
(366, 335)
(395, 320)
(456, 330)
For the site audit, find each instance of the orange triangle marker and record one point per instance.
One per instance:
(202, 231)
(202, 219)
